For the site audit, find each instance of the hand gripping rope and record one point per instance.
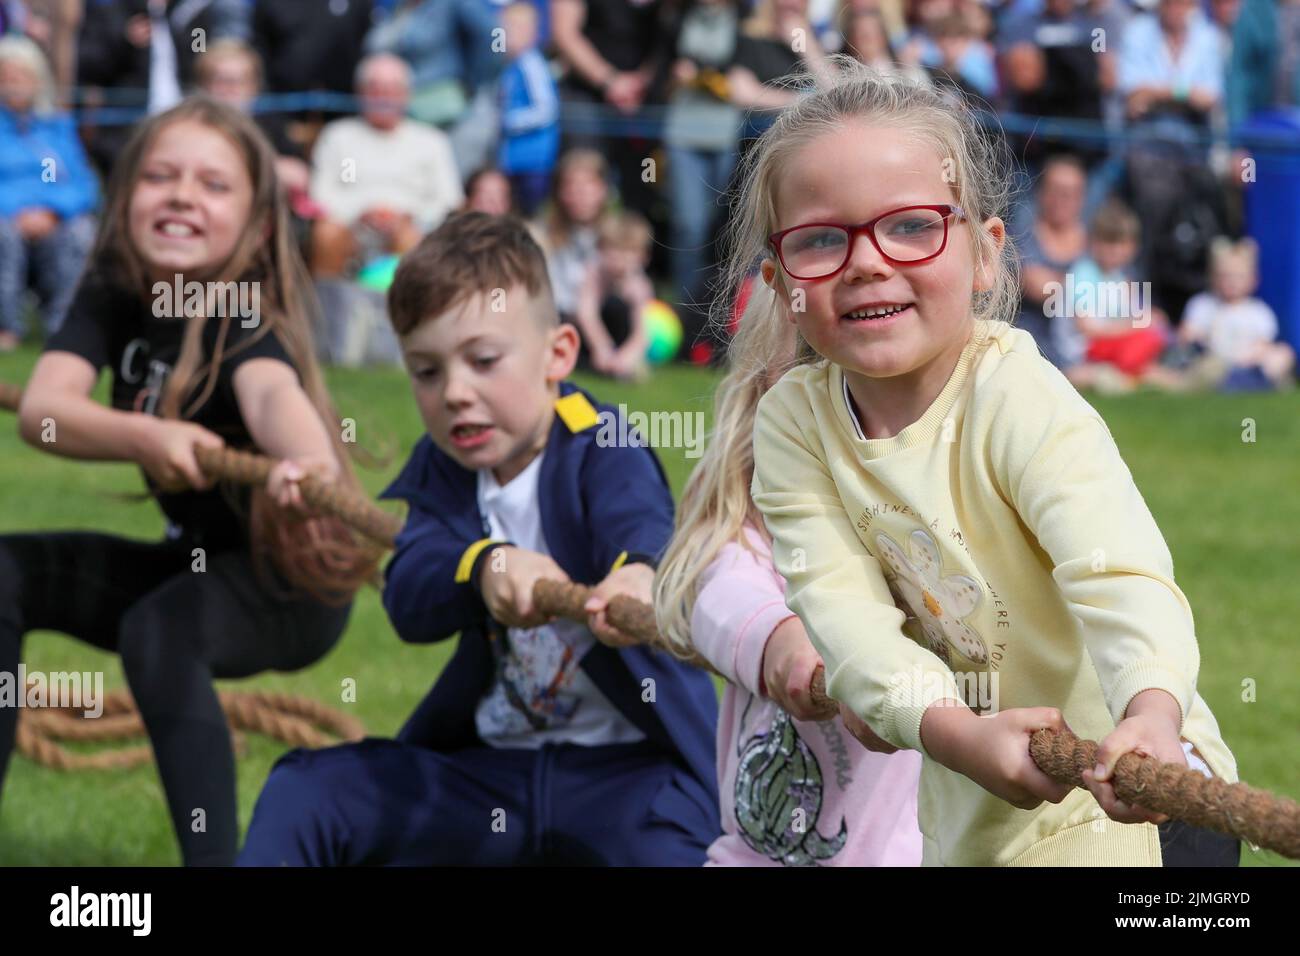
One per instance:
(1257, 816)
(297, 721)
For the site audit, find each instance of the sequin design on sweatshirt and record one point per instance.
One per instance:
(937, 601)
(779, 794)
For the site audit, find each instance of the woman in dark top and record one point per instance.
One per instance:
(1050, 238)
(616, 53)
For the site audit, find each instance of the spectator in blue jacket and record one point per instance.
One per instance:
(530, 111)
(47, 192)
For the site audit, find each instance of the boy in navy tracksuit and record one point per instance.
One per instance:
(542, 741)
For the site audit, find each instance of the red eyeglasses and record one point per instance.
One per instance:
(906, 236)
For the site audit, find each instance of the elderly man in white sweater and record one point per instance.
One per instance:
(382, 179)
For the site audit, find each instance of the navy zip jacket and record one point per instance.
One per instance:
(600, 508)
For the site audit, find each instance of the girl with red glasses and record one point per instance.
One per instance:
(964, 545)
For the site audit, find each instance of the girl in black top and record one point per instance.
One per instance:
(243, 582)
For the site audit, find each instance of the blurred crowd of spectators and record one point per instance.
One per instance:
(616, 126)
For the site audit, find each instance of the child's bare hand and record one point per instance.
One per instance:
(624, 91)
(167, 455)
(863, 733)
(994, 751)
(507, 583)
(789, 660)
(283, 483)
(633, 580)
(1150, 729)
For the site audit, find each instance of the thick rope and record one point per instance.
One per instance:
(554, 598)
(1257, 816)
(637, 619)
(296, 721)
(246, 468)
(293, 720)
(1262, 818)
(241, 467)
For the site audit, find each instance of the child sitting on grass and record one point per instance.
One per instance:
(543, 740)
(612, 300)
(1232, 330)
(1111, 337)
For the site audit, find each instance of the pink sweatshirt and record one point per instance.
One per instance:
(793, 792)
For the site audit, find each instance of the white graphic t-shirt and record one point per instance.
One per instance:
(539, 694)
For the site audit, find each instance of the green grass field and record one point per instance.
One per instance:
(1230, 510)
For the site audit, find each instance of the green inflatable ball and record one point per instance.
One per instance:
(664, 331)
(378, 274)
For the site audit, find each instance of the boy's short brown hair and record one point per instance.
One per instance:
(470, 252)
(1115, 222)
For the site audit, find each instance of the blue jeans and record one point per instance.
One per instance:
(697, 180)
(55, 261)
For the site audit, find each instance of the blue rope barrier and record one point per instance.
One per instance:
(123, 106)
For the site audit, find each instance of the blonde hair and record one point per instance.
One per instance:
(978, 159)
(26, 53)
(1226, 253)
(716, 504)
(625, 229)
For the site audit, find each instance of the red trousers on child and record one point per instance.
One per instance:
(1132, 353)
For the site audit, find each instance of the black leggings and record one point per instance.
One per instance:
(176, 629)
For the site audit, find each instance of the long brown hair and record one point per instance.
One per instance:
(558, 226)
(320, 555)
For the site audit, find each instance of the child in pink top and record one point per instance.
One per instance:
(858, 808)
(794, 791)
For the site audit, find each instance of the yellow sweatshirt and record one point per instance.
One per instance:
(995, 551)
